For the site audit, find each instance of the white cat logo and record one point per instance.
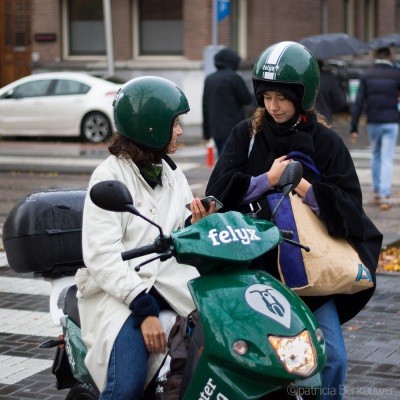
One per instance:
(268, 301)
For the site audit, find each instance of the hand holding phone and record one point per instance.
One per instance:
(206, 201)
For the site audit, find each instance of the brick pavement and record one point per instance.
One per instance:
(373, 345)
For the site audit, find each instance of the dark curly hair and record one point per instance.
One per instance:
(123, 147)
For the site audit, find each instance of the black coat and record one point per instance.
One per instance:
(224, 97)
(338, 194)
(379, 88)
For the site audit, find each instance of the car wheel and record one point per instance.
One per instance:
(95, 127)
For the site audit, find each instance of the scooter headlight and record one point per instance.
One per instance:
(297, 353)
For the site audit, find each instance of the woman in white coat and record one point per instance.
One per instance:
(119, 307)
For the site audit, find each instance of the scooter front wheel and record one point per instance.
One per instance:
(83, 391)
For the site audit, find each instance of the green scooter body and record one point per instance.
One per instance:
(236, 303)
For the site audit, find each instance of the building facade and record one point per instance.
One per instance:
(175, 39)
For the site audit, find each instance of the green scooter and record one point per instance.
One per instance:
(254, 339)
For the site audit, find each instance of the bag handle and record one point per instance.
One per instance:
(305, 160)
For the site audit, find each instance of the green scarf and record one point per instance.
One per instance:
(152, 174)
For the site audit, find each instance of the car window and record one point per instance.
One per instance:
(32, 89)
(66, 87)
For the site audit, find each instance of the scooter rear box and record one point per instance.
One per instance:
(42, 233)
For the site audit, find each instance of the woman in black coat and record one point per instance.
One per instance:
(286, 79)
(224, 97)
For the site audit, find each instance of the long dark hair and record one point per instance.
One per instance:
(259, 116)
(123, 147)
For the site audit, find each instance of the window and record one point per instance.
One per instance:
(17, 30)
(66, 87)
(349, 17)
(32, 89)
(160, 27)
(86, 28)
(369, 22)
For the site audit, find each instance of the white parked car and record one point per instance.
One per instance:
(58, 104)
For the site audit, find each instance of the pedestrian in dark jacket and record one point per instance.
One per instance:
(286, 80)
(331, 98)
(379, 89)
(224, 97)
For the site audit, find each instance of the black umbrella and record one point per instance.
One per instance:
(391, 40)
(328, 45)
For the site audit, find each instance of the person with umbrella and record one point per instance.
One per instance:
(331, 98)
(379, 89)
(330, 45)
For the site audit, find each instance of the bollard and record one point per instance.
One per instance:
(210, 153)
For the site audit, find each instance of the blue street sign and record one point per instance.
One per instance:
(223, 9)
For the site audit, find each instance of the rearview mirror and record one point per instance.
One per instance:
(290, 178)
(111, 196)
(115, 196)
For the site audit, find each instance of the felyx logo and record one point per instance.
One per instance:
(245, 235)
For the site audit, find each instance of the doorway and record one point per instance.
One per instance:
(15, 40)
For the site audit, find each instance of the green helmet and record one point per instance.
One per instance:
(288, 63)
(145, 110)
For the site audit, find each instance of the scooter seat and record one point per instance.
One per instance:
(71, 305)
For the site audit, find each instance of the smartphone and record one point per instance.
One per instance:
(206, 201)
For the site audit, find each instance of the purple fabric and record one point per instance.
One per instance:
(290, 256)
(311, 201)
(258, 185)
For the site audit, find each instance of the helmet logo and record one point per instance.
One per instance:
(271, 63)
(269, 68)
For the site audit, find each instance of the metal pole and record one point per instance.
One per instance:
(215, 24)
(108, 37)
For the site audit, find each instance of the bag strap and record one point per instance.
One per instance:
(305, 160)
(250, 146)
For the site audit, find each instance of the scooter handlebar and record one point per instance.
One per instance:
(162, 244)
(140, 251)
(286, 234)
